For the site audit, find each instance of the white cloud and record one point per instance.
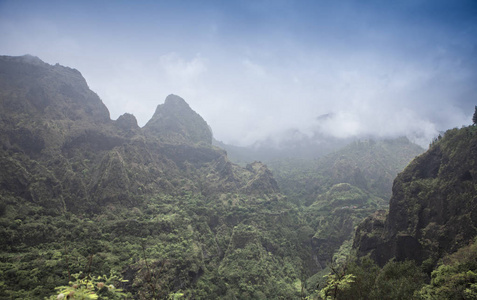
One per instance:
(177, 69)
(263, 81)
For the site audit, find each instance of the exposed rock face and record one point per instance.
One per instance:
(175, 122)
(433, 210)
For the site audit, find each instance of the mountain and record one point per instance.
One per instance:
(159, 205)
(368, 164)
(425, 246)
(433, 209)
(175, 122)
(289, 144)
(163, 207)
(337, 191)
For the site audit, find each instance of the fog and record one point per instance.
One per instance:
(256, 69)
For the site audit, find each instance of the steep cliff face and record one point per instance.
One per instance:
(433, 209)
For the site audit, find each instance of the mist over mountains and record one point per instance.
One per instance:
(306, 149)
(176, 216)
(257, 70)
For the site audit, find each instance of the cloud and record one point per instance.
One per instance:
(178, 69)
(378, 70)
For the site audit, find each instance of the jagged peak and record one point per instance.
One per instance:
(176, 122)
(127, 121)
(175, 100)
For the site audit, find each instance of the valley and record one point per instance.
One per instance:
(163, 211)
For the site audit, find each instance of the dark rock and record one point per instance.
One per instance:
(433, 209)
(175, 122)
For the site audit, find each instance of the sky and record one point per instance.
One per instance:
(256, 69)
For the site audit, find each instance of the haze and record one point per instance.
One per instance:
(255, 69)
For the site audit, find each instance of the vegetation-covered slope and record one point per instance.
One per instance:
(168, 211)
(338, 191)
(367, 164)
(160, 205)
(433, 208)
(425, 246)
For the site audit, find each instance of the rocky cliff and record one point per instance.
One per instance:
(433, 209)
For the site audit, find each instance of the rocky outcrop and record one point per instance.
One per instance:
(433, 210)
(175, 122)
(127, 124)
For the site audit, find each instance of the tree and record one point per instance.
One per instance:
(474, 118)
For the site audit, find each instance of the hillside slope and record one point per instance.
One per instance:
(159, 205)
(338, 191)
(433, 210)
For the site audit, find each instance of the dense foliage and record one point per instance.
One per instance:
(166, 215)
(336, 192)
(363, 279)
(432, 210)
(455, 277)
(158, 205)
(181, 244)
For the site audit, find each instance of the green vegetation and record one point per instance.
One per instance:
(336, 192)
(201, 238)
(170, 217)
(363, 279)
(170, 245)
(455, 277)
(100, 287)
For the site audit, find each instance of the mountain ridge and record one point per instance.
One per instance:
(432, 211)
(75, 183)
(71, 137)
(164, 207)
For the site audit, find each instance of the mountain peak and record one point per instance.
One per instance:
(175, 122)
(176, 101)
(53, 92)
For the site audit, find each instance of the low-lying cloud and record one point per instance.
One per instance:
(373, 70)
